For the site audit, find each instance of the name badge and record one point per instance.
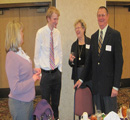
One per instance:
(87, 46)
(108, 48)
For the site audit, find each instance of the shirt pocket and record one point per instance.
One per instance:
(45, 44)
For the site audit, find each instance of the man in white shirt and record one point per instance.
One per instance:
(48, 57)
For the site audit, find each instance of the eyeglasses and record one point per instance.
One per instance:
(77, 28)
(101, 15)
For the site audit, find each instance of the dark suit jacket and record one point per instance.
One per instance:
(74, 48)
(107, 67)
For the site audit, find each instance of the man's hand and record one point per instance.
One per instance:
(77, 84)
(114, 92)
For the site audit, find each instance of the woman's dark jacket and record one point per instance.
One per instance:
(74, 48)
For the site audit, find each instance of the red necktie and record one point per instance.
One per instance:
(52, 60)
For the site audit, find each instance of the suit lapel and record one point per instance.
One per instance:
(86, 43)
(96, 42)
(76, 48)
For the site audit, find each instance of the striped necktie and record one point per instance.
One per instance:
(100, 41)
(52, 60)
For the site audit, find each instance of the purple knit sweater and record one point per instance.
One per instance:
(19, 73)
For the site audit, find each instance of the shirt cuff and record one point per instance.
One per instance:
(81, 80)
(115, 88)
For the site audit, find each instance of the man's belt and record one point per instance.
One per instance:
(50, 71)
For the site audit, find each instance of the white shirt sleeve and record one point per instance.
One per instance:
(37, 51)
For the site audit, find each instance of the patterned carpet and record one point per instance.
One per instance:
(123, 99)
(4, 110)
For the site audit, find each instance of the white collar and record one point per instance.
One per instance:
(104, 29)
(23, 54)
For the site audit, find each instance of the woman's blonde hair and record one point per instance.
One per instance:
(52, 10)
(13, 36)
(83, 24)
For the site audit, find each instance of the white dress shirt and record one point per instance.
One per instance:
(42, 48)
(104, 32)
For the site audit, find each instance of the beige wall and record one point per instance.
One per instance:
(71, 10)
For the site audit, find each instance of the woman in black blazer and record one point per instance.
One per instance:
(79, 53)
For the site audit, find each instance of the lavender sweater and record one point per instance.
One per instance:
(19, 73)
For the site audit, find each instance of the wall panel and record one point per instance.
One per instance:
(122, 23)
(9, 15)
(32, 21)
(119, 20)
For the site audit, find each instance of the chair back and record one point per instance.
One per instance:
(83, 101)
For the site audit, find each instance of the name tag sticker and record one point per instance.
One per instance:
(87, 46)
(108, 48)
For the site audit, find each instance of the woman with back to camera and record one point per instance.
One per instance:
(21, 76)
(79, 53)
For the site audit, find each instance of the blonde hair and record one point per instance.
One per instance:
(52, 10)
(13, 36)
(83, 24)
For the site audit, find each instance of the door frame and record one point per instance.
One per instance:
(125, 82)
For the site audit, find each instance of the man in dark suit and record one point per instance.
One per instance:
(106, 60)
